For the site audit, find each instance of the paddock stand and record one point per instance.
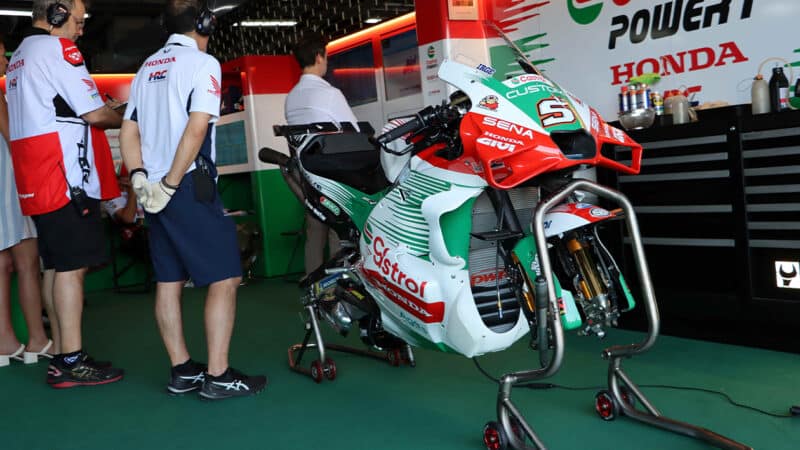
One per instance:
(511, 430)
(324, 366)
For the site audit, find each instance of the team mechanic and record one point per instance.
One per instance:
(63, 168)
(167, 140)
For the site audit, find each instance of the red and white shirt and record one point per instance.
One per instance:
(173, 82)
(48, 89)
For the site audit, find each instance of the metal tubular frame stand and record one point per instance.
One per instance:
(326, 364)
(616, 376)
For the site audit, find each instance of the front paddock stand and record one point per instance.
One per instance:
(621, 399)
(325, 367)
(511, 431)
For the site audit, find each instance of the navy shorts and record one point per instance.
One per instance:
(190, 238)
(69, 241)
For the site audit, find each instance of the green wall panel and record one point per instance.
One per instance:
(281, 217)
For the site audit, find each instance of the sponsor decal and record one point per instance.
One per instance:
(486, 69)
(529, 89)
(599, 212)
(26, 195)
(326, 202)
(159, 61)
(15, 65)
(787, 274)
(399, 287)
(12, 84)
(159, 75)
(431, 52)
(665, 19)
(70, 52)
(685, 61)
(486, 276)
(216, 89)
(554, 111)
(504, 146)
(519, 130)
(431, 63)
(489, 102)
(527, 78)
(89, 83)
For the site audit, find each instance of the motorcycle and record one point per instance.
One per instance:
(466, 232)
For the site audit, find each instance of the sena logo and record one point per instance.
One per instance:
(519, 130)
(158, 76)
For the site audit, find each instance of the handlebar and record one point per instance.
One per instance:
(420, 120)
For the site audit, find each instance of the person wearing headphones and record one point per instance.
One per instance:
(63, 168)
(167, 142)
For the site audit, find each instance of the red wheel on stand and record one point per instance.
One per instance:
(605, 405)
(330, 369)
(494, 437)
(316, 371)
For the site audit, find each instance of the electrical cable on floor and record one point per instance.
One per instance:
(793, 411)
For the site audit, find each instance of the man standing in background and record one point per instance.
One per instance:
(311, 100)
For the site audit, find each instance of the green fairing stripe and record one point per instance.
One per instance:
(353, 202)
(456, 226)
(628, 295)
(527, 103)
(408, 226)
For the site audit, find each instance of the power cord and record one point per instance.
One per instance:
(793, 411)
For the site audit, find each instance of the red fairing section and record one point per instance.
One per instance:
(586, 211)
(41, 183)
(509, 154)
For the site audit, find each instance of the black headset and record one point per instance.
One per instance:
(57, 14)
(206, 21)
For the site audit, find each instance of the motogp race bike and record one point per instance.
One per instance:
(465, 231)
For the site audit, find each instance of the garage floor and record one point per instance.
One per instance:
(441, 404)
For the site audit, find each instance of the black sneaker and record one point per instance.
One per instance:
(231, 383)
(187, 377)
(83, 373)
(89, 360)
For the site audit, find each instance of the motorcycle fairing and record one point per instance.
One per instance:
(423, 291)
(511, 137)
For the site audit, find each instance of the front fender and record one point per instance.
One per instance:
(569, 216)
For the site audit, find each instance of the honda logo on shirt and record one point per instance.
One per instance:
(158, 75)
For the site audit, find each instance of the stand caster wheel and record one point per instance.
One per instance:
(393, 356)
(316, 371)
(605, 406)
(330, 369)
(494, 437)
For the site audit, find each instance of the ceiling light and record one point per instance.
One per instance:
(24, 13)
(14, 12)
(266, 23)
(372, 20)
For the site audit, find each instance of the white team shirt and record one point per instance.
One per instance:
(48, 89)
(174, 81)
(313, 99)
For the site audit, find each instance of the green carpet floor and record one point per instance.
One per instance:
(441, 404)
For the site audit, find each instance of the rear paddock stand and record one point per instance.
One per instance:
(325, 367)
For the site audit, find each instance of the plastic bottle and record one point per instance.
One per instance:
(759, 95)
(778, 90)
(624, 105)
(679, 105)
(658, 103)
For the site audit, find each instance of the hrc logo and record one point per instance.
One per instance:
(158, 75)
